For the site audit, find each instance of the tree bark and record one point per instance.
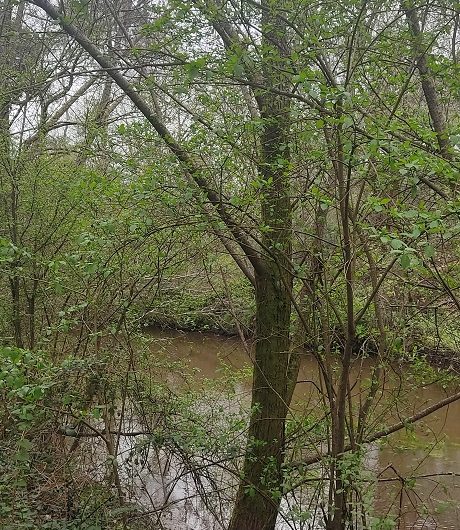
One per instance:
(6, 165)
(426, 78)
(259, 494)
(260, 491)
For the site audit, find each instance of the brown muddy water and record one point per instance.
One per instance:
(418, 472)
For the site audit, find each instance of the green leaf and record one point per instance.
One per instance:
(347, 122)
(429, 251)
(411, 214)
(397, 244)
(238, 69)
(405, 261)
(194, 67)
(25, 444)
(373, 146)
(180, 89)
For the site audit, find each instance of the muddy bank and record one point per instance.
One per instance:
(439, 357)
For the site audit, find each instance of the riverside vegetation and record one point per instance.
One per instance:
(284, 172)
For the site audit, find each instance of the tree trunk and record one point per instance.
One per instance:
(16, 308)
(6, 167)
(259, 494)
(426, 78)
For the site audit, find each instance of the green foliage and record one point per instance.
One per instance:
(382, 523)
(104, 231)
(34, 390)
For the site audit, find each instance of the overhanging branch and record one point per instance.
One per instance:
(191, 167)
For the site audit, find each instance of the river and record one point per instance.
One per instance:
(419, 471)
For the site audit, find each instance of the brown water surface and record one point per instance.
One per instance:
(419, 472)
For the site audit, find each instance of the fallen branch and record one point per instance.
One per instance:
(314, 459)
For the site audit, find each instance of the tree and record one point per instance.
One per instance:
(333, 144)
(262, 471)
